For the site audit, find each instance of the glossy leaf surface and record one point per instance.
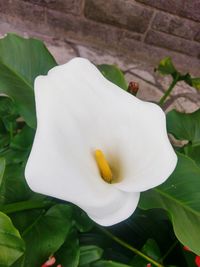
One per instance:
(11, 244)
(113, 74)
(180, 196)
(21, 61)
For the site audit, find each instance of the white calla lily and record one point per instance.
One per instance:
(79, 112)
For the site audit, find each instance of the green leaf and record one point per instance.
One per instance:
(104, 263)
(89, 254)
(11, 244)
(19, 148)
(193, 153)
(21, 61)
(46, 234)
(166, 67)
(23, 140)
(184, 126)
(4, 140)
(113, 74)
(14, 187)
(180, 196)
(68, 254)
(13, 156)
(22, 219)
(150, 249)
(7, 106)
(2, 169)
(82, 222)
(8, 124)
(195, 82)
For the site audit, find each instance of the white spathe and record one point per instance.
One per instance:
(79, 111)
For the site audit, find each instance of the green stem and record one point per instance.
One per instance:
(169, 250)
(26, 205)
(124, 244)
(169, 90)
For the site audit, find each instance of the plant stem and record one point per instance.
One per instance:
(124, 244)
(26, 205)
(169, 250)
(169, 90)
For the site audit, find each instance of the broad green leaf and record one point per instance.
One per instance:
(113, 74)
(18, 263)
(166, 67)
(192, 152)
(14, 187)
(11, 244)
(21, 61)
(46, 234)
(180, 196)
(4, 140)
(14, 156)
(7, 106)
(19, 148)
(8, 124)
(68, 254)
(82, 222)
(23, 140)
(184, 126)
(104, 263)
(89, 254)
(2, 169)
(22, 219)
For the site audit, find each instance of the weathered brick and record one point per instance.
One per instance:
(185, 8)
(175, 25)
(172, 6)
(80, 28)
(173, 43)
(84, 29)
(122, 13)
(22, 11)
(197, 37)
(191, 9)
(65, 6)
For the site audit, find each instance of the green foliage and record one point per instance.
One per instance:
(166, 67)
(180, 196)
(113, 74)
(46, 234)
(2, 169)
(104, 263)
(21, 61)
(89, 254)
(150, 249)
(194, 82)
(14, 187)
(39, 226)
(185, 126)
(69, 252)
(11, 244)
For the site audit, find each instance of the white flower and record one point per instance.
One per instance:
(80, 114)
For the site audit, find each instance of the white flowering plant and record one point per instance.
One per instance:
(88, 175)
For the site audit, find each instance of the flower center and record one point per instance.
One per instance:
(103, 165)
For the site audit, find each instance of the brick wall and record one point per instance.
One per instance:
(153, 28)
